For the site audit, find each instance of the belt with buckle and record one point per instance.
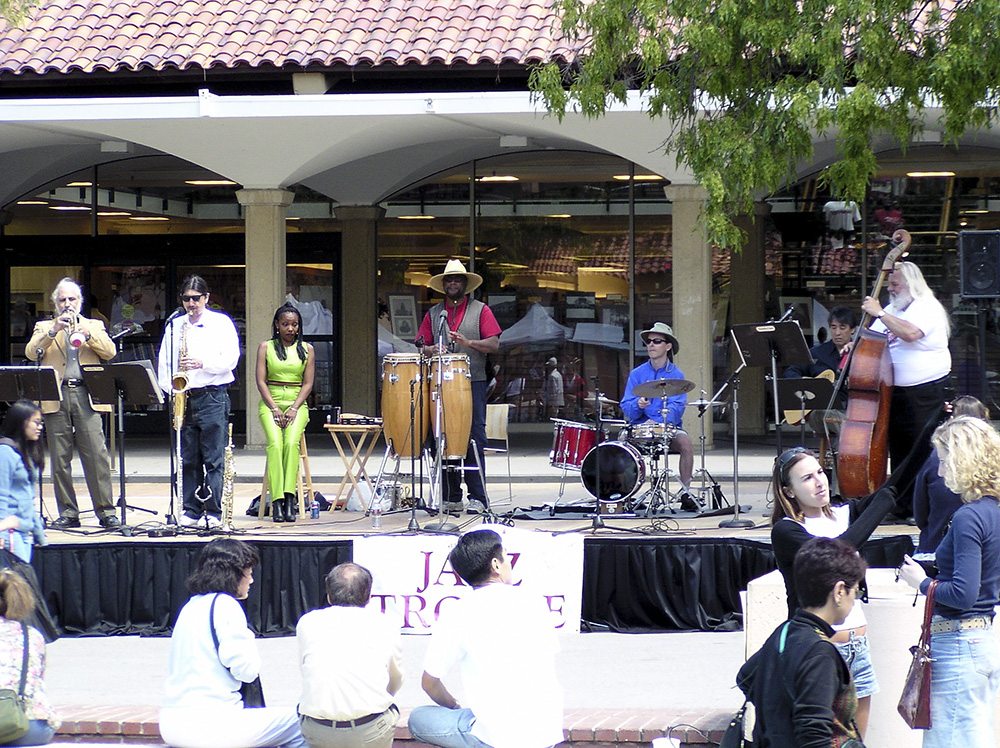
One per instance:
(350, 722)
(73, 382)
(945, 625)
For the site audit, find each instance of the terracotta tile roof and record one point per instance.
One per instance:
(63, 36)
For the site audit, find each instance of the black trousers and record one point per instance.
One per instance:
(911, 410)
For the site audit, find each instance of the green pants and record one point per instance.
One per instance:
(283, 444)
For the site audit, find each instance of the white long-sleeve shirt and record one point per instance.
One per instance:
(213, 339)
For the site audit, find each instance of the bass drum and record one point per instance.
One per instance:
(621, 468)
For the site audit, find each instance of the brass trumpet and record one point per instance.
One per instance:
(76, 336)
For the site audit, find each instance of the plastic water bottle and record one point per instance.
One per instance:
(314, 509)
(377, 517)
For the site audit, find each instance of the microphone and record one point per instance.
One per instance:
(178, 312)
(444, 314)
(789, 313)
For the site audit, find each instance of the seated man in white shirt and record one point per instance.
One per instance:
(503, 640)
(350, 657)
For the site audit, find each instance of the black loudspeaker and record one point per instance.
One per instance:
(979, 260)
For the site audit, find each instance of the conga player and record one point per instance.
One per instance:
(469, 327)
(661, 345)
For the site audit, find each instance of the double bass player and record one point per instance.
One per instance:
(918, 329)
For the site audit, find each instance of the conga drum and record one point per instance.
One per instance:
(455, 373)
(399, 370)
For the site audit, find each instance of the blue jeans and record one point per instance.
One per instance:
(965, 677)
(39, 732)
(449, 728)
(858, 658)
(203, 444)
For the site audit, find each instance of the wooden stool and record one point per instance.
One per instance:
(305, 477)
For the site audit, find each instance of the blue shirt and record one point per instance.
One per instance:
(968, 561)
(933, 505)
(675, 403)
(17, 493)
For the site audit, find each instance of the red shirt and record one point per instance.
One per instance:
(488, 326)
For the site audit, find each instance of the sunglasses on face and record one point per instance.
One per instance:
(193, 298)
(655, 341)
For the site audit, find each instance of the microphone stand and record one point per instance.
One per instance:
(175, 453)
(598, 521)
(442, 525)
(39, 352)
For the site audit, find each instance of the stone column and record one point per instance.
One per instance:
(692, 306)
(266, 284)
(748, 307)
(358, 307)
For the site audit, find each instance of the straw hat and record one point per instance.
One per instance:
(455, 267)
(662, 328)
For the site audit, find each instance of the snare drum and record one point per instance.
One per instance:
(622, 471)
(648, 436)
(570, 443)
(398, 371)
(456, 398)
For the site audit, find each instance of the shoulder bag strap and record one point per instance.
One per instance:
(925, 631)
(211, 623)
(24, 661)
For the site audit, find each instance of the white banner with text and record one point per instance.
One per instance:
(414, 581)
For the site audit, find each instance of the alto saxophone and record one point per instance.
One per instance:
(179, 382)
(228, 479)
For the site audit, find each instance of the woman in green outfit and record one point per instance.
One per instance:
(286, 368)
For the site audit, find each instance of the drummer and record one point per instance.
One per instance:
(469, 328)
(661, 345)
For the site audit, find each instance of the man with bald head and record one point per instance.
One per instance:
(351, 666)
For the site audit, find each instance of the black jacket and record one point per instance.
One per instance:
(803, 695)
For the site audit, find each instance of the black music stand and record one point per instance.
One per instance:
(36, 383)
(773, 344)
(128, 382)
(804, 394)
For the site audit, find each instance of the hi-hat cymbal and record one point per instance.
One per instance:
(662, 388)
(706, 403)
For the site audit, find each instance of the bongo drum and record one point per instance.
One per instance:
(456, 401)
(399, 370)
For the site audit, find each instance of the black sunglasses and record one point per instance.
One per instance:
(192, 297)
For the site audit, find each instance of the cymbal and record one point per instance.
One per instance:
(706, 403)
(662, 388)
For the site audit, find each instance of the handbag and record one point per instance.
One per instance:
(13, 719)
(252, 692)
(915, 703)
(736, 732)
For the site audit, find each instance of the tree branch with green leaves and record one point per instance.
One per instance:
(745, 88)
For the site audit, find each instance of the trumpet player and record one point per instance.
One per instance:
(64, 343)
(199, 351)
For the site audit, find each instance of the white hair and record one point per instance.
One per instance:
(67, 282)
(918, 288)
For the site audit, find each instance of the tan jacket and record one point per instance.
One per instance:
(99, 347)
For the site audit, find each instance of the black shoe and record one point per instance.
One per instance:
(110, 522)
(64, 523)
(290, 506)
(688, 504)
(278, 510)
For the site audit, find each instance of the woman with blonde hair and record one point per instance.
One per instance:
(965, 651)
(17, 602)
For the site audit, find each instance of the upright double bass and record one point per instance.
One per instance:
(863, 459)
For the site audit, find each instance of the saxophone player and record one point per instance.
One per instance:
(64, 343)
(202, 344)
